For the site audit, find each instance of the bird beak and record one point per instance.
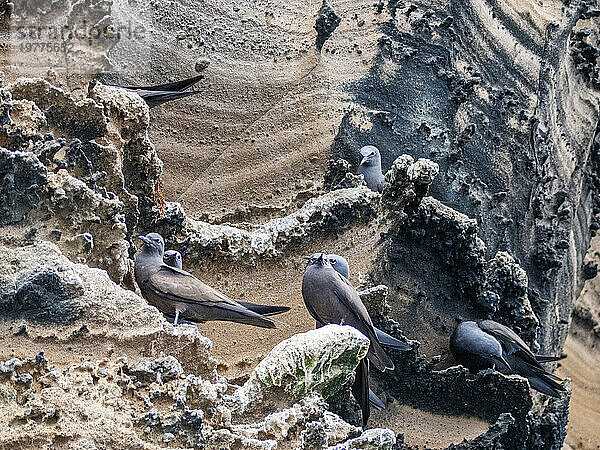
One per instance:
(144, 239)
(322, 259)
(364, 160)
(306, 257)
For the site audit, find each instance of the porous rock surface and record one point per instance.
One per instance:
(76, 155)
(92, 219)
(499, 98)
(152, 401)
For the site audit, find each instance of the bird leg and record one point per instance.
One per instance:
(176, 318)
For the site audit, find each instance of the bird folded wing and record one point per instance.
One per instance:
(181, 286)
(350, 299)
(511, 342)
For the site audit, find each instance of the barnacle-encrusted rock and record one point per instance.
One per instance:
(53, 296)
(319, 360)
(23, 177)
(83, 119)
(506, 298)
(98, 188)
(406, 183)
(333, 212)
(133, 165)
(372, 439)
(375, 299)
(86, 225)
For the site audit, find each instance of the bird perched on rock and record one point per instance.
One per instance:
(159, 94)
(487, 344)
(173, 258)
(330, 298)
(370, 168)
(178, 293)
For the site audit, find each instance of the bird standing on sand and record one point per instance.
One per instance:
(370, 168)
(173, 258)
(178, 293)
(159, 94)
(487, 345)
(330, 298)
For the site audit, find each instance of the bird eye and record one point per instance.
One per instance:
(333, 261)
(372, 154)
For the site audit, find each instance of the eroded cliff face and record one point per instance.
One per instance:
(486, 116)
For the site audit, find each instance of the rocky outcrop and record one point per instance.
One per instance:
(331, 213)
(155, 400)
(489, 107)
(67, 162)
(317, 361)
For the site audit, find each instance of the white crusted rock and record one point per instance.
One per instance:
(372, 439)
(319, 360)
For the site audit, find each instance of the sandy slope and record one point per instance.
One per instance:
(583, 367)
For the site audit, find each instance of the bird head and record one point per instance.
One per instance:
(370, 156)
(173, 258)
(153, 243)
(318, 259)
(340, 264)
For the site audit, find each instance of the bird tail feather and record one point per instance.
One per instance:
(375, 401)
(264, 310)
(175, 86)
(379, 357)
(360, 389)
(230, 313)
(390, 341)
(546, 385)
(549, 358)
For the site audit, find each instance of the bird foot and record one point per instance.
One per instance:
(176, 321)
(486, 372)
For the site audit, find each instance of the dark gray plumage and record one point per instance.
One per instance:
(490, 345)
(340, 265)
(330, 298)
(159, 94)
(173, 258)
(370, 168)
(359, 388)
(176, 292)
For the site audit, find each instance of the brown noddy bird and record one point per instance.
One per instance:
(177, 292)
(370, 168)
(331, 298)
(340, 265)
(173, 258)
(487, 344)
(159, 94)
